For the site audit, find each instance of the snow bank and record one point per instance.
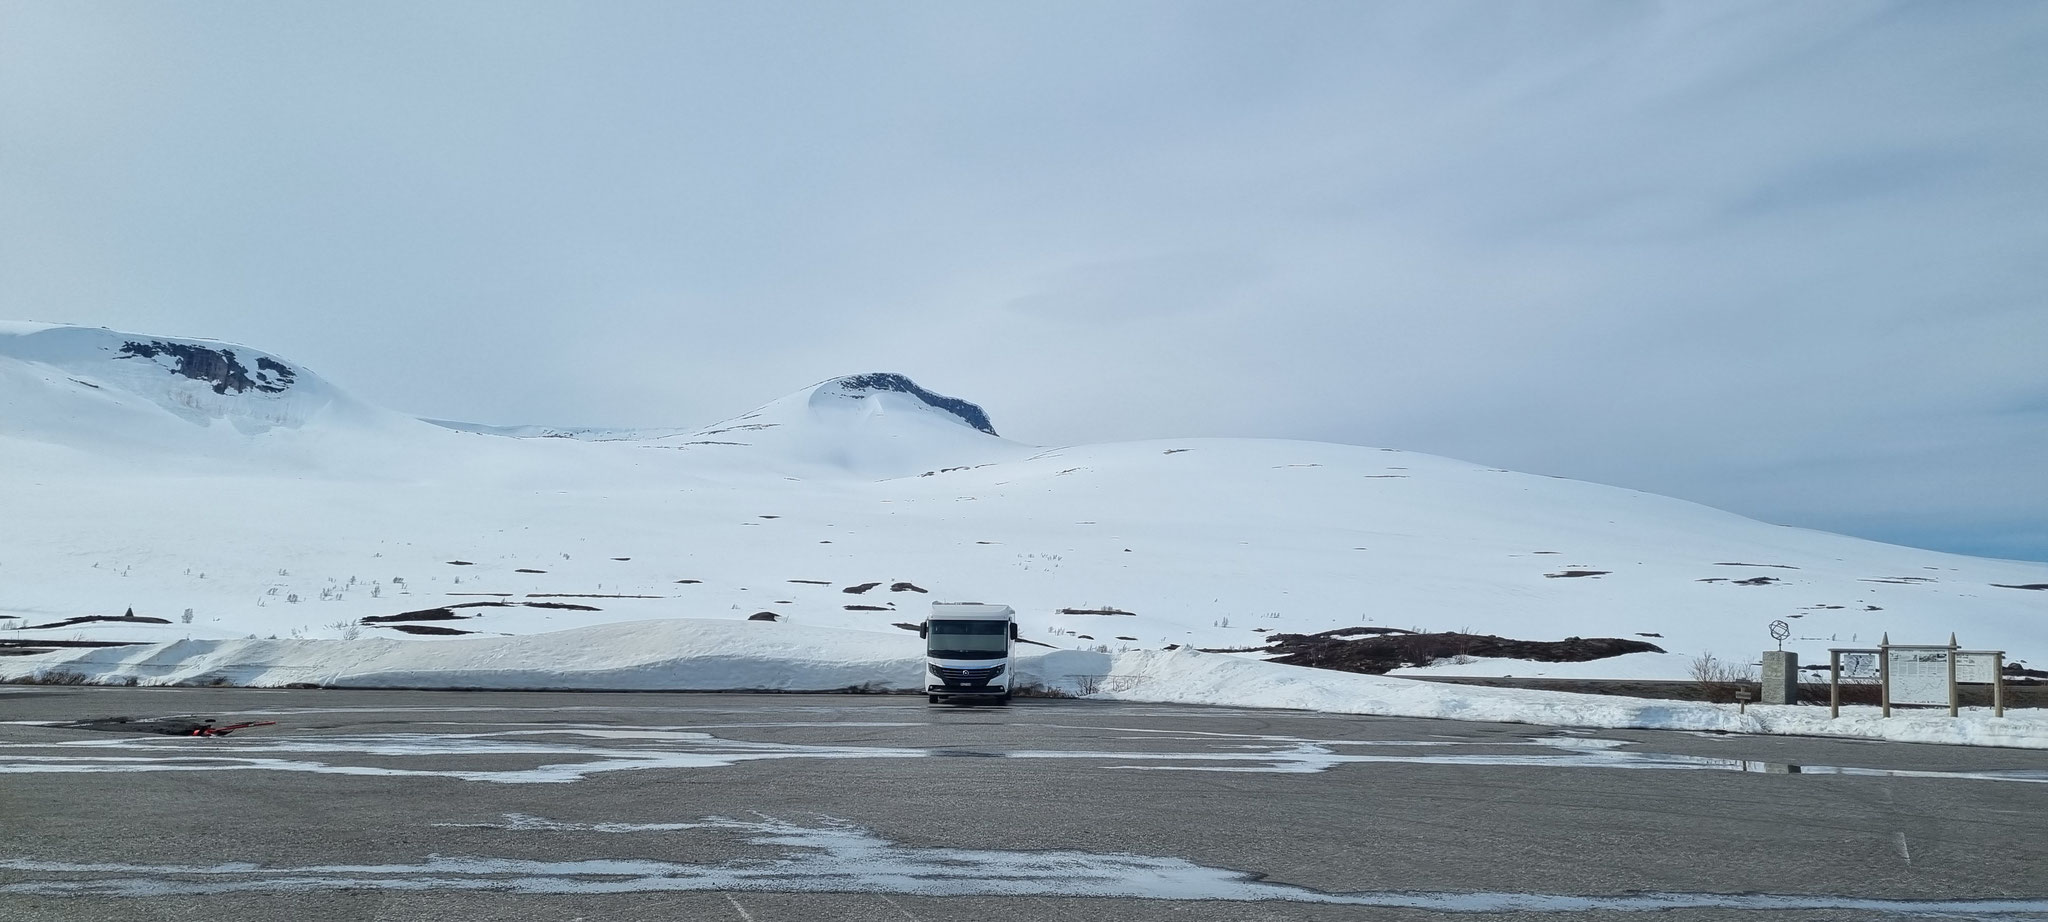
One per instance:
(1187, 677)
(719, 655)
(683, 655)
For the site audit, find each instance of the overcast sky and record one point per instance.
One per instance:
(1787, 259)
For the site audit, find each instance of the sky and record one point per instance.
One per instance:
(1785, 259)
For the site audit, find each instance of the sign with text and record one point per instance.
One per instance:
(1976, 667)
(1859, 665)
(1919, 676)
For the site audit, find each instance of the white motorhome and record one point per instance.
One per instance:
(967, 652)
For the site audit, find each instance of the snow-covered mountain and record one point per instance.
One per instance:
(872, 425)
(175, 474)
(133, 400)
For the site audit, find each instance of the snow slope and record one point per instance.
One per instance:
(872, 426)
(299, 511)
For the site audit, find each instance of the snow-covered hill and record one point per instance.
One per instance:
(133, 401)
(268, 503)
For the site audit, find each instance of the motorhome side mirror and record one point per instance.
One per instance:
(1013, 630)
(923, 631)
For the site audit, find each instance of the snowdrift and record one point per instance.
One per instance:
(707, 655)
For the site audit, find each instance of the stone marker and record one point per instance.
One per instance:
(1781, 677)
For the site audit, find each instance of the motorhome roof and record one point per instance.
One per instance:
(971, 610)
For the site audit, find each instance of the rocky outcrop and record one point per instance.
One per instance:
(885, 381)
(218, 367)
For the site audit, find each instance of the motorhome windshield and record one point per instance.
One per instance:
(968, 639)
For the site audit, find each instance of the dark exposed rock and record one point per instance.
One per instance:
(1567, 574)
(906, 587)
(884, 381)
(857, 590)
(764, 616)
(218, 367)
(2021, 586)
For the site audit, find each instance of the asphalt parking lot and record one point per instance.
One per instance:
(543, 806)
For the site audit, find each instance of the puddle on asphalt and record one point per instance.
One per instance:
(838, 857)
(564, 754)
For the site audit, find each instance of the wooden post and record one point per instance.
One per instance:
(1955, 691)
(1834, 684)
(1998, 684)
(1884, 673)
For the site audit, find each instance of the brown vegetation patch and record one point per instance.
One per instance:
(1390, 649)
(427, 629)
(424, 614)
(88, 619)
(588, 595)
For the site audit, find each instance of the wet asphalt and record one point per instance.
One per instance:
(394, 805)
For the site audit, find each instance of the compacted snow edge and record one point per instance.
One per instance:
(717, 655)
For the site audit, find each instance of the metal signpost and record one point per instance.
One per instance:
(1918, 674)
